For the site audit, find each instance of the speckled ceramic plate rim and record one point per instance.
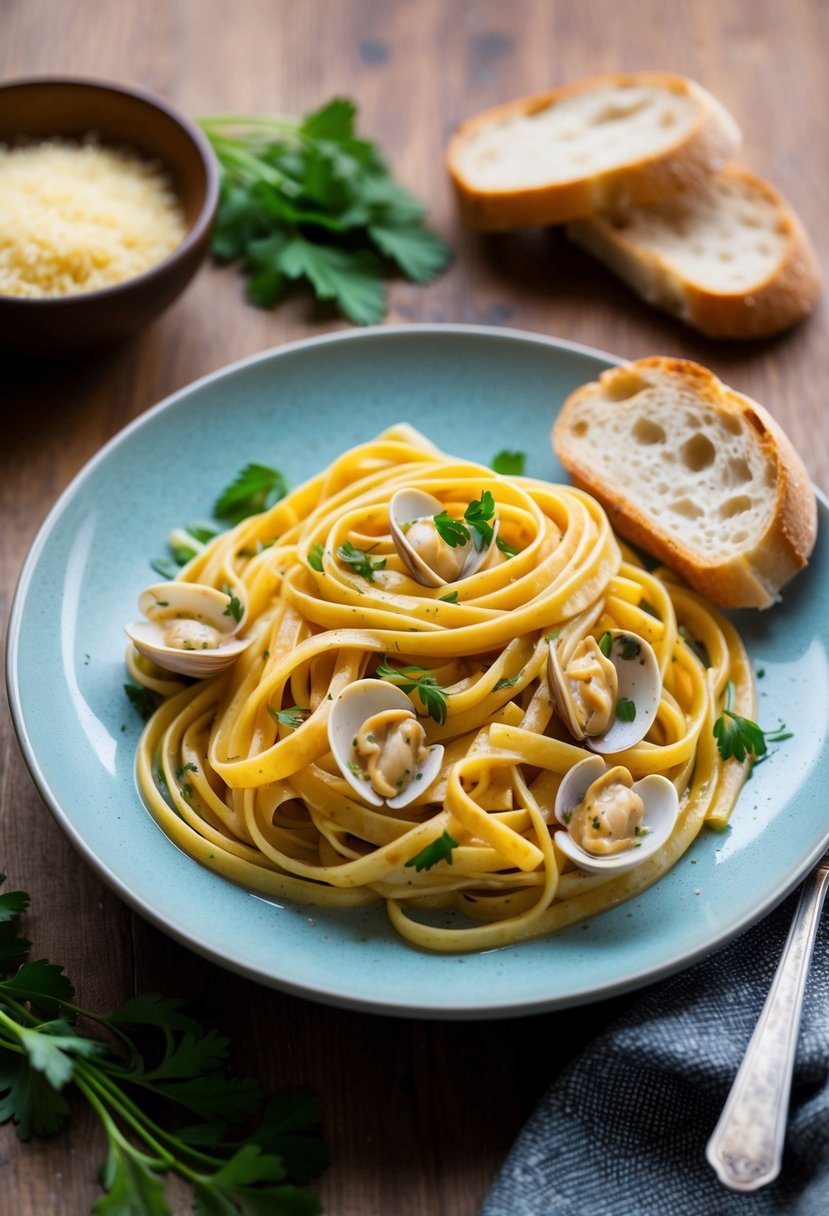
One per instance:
(441, 995)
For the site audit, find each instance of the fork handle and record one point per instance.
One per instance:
(746, 1147)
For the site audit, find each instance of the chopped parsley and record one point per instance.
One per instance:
(631, 647)
(738, 737)
(507, 549)
(315, 558)
(606, 644)
(475, 524)
(234, 608)
(143, 700)
(256, 488)
(508, 681)
(418, 679)
(509, 464)
(439, 850)
(451, 598)
(625, 709)
(292, 718)
(360, 561)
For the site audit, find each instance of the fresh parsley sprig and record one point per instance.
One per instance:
(438, 850)
(292, 718)
(256, 488)
(153, 1052)
(475, 523)
(509, 464)
(418, 679)
(311, 201)
(360, 561)
(738, 737)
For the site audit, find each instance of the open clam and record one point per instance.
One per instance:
(430, 559)
(189, 628)
(612, 822)
(380, 746)
(606, 692)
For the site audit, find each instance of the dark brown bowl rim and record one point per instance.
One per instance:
(202, 221)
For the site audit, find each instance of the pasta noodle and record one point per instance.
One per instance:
(259, 798)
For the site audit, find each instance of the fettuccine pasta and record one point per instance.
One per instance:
(238, 771)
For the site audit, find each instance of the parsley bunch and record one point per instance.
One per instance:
(738, 737)
(159, 1052)
(309, 200)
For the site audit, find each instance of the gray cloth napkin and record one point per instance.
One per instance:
(622, 1132)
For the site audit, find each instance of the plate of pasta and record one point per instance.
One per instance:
(367, 710)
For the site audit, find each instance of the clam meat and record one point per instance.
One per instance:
(189, 628)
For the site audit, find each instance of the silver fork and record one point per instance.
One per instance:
(746, 1146)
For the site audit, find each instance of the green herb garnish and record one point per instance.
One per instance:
(315, 558)
(606, 644)
(234, 608)
(631, 647)
(452, 531)
(509, 464)
(438, 850)
(311, 201)
(507, 682)
(152, 1053)
(737, 737)
(477, 515)
(361, 562)
(450, 598)
(143, 700)
(293, 717)
(625, 709)
(256, 488)
(418, 679)
(507, 549)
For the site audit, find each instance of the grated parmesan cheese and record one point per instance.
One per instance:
(77, 217)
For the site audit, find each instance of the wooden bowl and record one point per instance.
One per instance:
(124, 117)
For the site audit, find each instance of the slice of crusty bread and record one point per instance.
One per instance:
(729, 257)
(600, 143)
(695, 473)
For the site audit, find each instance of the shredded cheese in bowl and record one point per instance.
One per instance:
(78, 217)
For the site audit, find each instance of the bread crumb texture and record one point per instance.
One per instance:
(725, 236)
(692, 467)
(575, 136)
(78, 217)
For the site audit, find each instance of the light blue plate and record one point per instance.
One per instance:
(474, 391)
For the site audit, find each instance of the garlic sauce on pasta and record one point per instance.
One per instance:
(238, 769)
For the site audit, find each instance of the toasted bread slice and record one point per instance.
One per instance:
(729, 257)
(597, 144)
(694, 473)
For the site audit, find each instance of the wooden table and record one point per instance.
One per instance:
(418, 1115)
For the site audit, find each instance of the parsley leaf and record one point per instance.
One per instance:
(452, 531)
(361, 562)
(477, 515)
(143, 700)
(508, 681)
(625, 709)
(507, 549)
(606, 644)
(737, 737)
(293, 717)
(256, 488)
(450, 598)
(315, 558)
(439, 850)
(631, 646)
(411, 679)
(234, 608)
(509, 464)
(311, 202)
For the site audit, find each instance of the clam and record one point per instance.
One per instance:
(427, 556)
(612, 822)
(379, 744)
(189, 628)
(607, 692)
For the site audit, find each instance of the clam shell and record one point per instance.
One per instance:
(408, 505)
(639, 680)
(354, 705)
(165, 602)
(661, 810)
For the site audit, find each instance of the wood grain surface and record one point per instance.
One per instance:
(418, 1115)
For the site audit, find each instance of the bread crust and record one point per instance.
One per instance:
(711, 141)
(784, 297)
(752, 579)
